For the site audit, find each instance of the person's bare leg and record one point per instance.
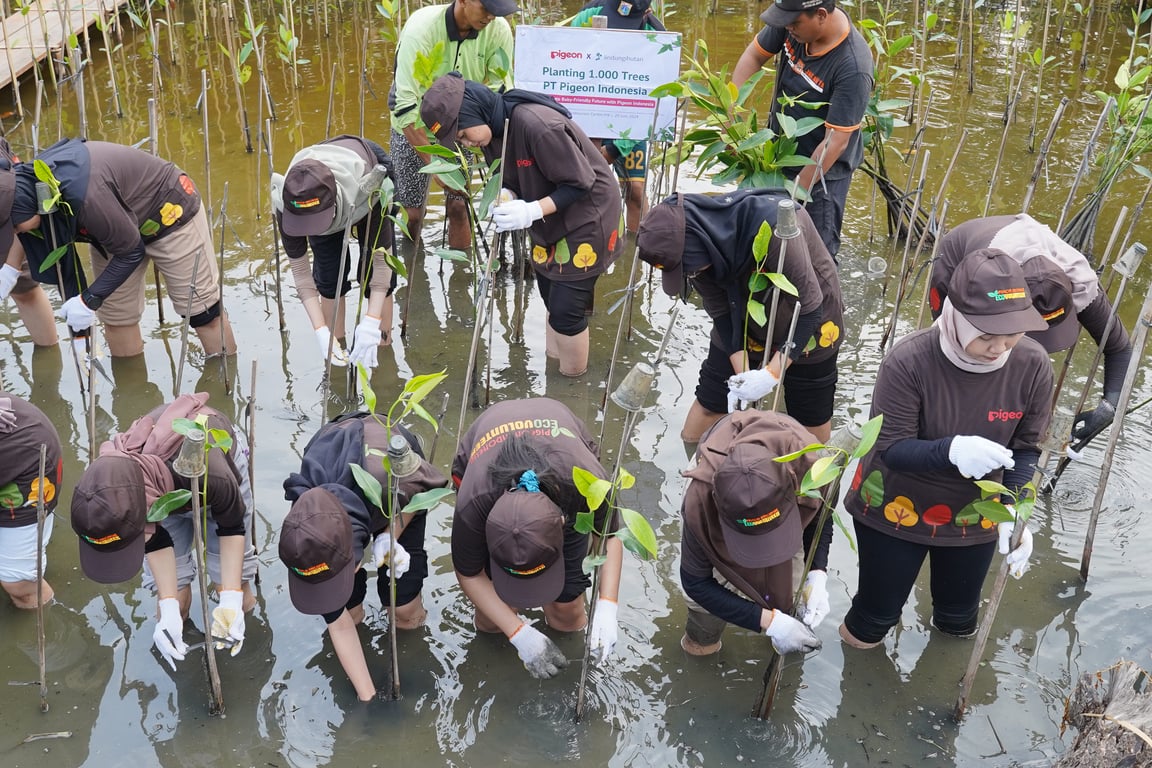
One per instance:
(184, 598)
(210, 336)
(386, 321)
(337, 329)
(822, 432)
(551, 349)
(126, 341)
(459, 227)
(693, 648)
(697, 422)
(851, 639)
(636, 203)
(410, 615)
(357, 613)
(573, 353)
(566, 617)
(23, 593)
(36, 312)
(415, 223)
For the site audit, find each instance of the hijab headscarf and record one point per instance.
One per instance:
(483, 106)
(956, 333)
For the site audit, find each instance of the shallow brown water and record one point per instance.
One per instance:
(466, 699)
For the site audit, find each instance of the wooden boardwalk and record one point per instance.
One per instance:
(24, 35)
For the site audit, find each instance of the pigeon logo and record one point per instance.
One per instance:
(1005, 415)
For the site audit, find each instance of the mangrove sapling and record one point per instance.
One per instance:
(1042, 62)
(636, 535)
(1085, 162)
(994, 510)
(825, 473)
(1138, 342)
(254, 32)
(241, 73)
(393, 461)
(905, 270)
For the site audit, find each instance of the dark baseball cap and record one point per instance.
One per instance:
(756, 501)
(660, 242)
(783, 12)
(7, 195)
(309, 199)
(1051, 291)
(989, 289)
(109, 513)
(316, 545)
(525, 533)
(500, 7)
(440, 107)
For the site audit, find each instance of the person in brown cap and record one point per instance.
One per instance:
(514, 541)
(472, 37)
(706, 242)
(131, 208)
(557, 185)
(822, 59)
(110, 506)
(967, 399)
(332, 524)
(23, 429)
(1065, 290)
(743, 527)
(15, 280)
(331, 186)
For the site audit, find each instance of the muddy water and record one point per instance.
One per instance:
(466, 699)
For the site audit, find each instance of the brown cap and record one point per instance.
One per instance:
(7, 195)
(783, 12)
(309, 199)
(1052, 297)
(989, 289)
(756, 502)
(109, 513)
(525, 533)
(660, 242)
(440, 107)
(316, 545)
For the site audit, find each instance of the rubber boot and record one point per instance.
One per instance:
(573, 353)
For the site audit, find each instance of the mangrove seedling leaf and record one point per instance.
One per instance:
(797, 454)
(1024, 508)
(641, 530)
(168, 503)
(184, 426)
(593, 489)
(451, 254)
(989, 488)
(592, 562)
(994, 511)
(219, 438)
(368, 484)
(437, 150)
(422, 412)
(419, 387)
(628, 539)
(426, 500)
(757, 282)
(624, 479)
(822, 472)
(783, 283)
(761, 242)
(868, 434)
(756, 312)
(366, 388)
(54, 257)
(585, 521)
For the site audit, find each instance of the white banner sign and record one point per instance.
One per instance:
(603, 76)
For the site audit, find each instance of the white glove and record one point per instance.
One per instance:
(1017, 558)
(228, 620)
(541, 657)
(516, 214)
(402, 561)
(172, 623)
(605, 629)
(505, 196)
(976, 456)
(77, 315)
(339, 358)
(789, 635)
(8, 275)
(750, 386)
(365, 341)
(814, 604)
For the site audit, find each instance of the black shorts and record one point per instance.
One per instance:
(809, 388)
(569, 303)
(408, 586)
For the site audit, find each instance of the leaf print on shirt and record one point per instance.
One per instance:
(539, 254)
(187, 185)
(34, 491)
(561, 252)
(872, 490)
(935, 516)
(149, 227)
(170, 213)
(585, 256)
(829, 334)
(901, 511)
(10, 497)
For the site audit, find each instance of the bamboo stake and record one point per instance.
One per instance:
(336, 301)
(1087, 33)
(393, 510)
(275, 232)
(251, 408)
(1008, 112)
(904, 271)
(78, 66)
(258, 49)
(12, 69)
(928, 267)
(111, 69)
(1045, 146)
(436, 434)
(785, 351)
(185, 324)
(971, 45)
(220, 294)
(1040, 74)
(207, 144)
(629, 292)
(41, 645)
(364, 76)
(331, 98)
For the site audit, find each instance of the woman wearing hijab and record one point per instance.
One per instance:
(706, 242)
(562, 189)
(964, 400)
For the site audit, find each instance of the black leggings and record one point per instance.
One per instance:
(568, 303)
(888, 569)
(809, 388)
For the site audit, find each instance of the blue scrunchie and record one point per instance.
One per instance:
(529, 482)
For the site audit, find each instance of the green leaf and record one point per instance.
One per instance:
(868, 434)
(219, 438)
(419, 387)
(184, 426)
(437, 166)
(437, 150)
(451, 254)
(366, 388)
(54, 257)
(167, 504)
(245, 51)
(585, 521)
(756, 312)
(761, 242)
(899, 44)
(422, 412)
(674, 89)
(593, 489)
(797, 454)
(757, 282)
(624, 479)
(1024, 508)
(640, 530)
(369, 485)
(783, 283)
(994, 511)
(592, 562)
(426, 500)
(824, 471)
(990, 488)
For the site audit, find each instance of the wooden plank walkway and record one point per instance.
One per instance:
(23, 36)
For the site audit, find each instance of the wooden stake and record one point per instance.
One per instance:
(41, 645)
(1045, 146)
